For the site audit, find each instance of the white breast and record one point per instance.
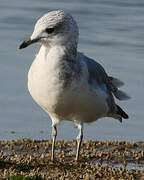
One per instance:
(77, 101)
(43, 83)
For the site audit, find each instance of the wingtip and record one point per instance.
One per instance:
(121, 112)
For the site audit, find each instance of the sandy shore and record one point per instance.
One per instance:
(106, 160)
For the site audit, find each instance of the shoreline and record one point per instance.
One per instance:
(98, 159)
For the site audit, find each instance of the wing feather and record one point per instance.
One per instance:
(112, 83)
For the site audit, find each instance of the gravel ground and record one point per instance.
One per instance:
(108, 160)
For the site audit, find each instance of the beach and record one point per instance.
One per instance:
(98, 159)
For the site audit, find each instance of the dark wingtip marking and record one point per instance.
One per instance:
(122, 113)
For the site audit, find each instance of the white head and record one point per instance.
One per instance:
(54, 28)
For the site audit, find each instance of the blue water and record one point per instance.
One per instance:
(112, 32)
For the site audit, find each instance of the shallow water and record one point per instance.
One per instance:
(111, 32)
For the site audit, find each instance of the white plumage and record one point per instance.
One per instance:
(65, 83)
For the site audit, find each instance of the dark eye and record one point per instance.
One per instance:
(49, 30)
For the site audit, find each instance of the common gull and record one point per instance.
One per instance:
(67, 84)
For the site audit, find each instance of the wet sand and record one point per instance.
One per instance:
(106, 160)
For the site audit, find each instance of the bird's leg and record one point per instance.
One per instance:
(54, 134)
(79, 140)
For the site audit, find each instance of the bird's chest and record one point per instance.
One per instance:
(48, 83)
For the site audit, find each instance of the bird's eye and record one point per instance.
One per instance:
(49, 30)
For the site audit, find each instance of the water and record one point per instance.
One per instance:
(111, 31)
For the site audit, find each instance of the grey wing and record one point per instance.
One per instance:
(96, 70)
(98, 73)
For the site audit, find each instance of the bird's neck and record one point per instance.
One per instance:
(66, 52)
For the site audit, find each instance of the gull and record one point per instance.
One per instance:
(67, 84)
